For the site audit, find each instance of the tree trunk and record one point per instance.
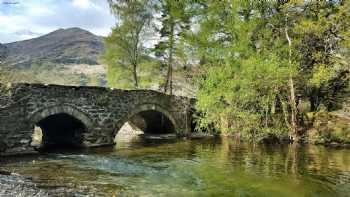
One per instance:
(134, 70)
(169, 77)
(294, 111)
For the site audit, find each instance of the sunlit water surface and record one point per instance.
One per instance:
(211, 167)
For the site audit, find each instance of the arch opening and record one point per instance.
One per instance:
(59, 130)
(153, 122)
(146, 123)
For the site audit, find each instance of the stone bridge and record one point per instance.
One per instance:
(86, 116)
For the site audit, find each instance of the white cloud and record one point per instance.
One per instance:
(83, 4)
(38, 10)
(41, 17)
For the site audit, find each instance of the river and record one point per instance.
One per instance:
(205, 167)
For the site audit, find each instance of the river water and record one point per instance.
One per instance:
(206, 167)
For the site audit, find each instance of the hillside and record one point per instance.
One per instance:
(65, 56)
(63, 46)
(3, 52)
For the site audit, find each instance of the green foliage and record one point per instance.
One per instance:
(242, 97)
(243, 50)
(320, 37)
(118, 77)
(149, 74)
(241, 88)
(125, 47)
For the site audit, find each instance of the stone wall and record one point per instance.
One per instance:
(103, 111)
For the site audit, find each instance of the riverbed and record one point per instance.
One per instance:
(202, 167)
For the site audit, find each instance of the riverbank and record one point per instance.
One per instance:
(330, 129)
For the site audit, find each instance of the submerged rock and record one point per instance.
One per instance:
(14, 185)
(270, 139)
(199, 135)
(334, 144)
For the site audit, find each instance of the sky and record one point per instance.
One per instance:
(25, 19)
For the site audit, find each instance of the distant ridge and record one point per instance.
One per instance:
(63, 46)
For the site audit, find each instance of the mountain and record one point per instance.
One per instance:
(63, 46)
(65, 56)
(3, 52)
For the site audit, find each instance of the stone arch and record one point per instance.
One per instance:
(142, 108)
(61, 125)
(57, 109)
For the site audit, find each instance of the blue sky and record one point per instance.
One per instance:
(25, 19)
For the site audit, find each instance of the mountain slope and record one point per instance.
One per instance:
(63, 46)
(3, 52)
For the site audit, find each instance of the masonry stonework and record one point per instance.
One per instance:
(103, 111)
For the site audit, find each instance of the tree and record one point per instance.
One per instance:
(261, 58)
(174, 21)
(319, 34)
(125, 47)
(243, 86)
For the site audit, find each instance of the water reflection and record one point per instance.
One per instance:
(211, 167)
